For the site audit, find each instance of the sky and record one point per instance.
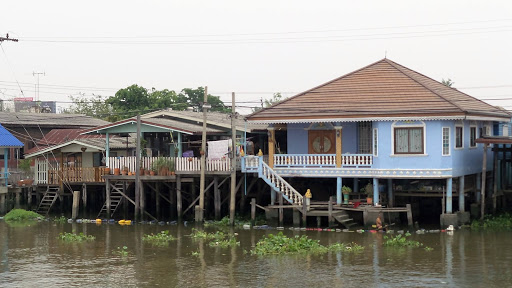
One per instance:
(252, 48)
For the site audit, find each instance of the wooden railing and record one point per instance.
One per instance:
(279, 184)
(76, 174)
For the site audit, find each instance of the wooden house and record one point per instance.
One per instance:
(411, 137)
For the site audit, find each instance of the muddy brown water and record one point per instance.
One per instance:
(32, 256)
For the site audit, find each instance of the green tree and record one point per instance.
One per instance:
(448, 82)
(130, 100)
(94, 106)
(194, 98)
(277, 97)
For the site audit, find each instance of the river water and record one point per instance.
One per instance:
(32, 256)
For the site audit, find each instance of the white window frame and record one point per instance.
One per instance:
(375, 143)
(476, 136)
(505, 130)
(442, 141)
(421, 125)
(461, 137)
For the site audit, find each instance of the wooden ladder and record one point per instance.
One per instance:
(49, 198)
(115, 201)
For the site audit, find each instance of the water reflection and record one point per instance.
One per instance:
(33, 256)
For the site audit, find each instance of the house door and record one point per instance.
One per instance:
(321, 142)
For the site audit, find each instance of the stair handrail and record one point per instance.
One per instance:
(296, 194)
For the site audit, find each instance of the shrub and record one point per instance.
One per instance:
(21, 215)
(499, 222)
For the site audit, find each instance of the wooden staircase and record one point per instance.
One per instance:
(49, 198)
(115, 201)
(280, 185)
(343, 218)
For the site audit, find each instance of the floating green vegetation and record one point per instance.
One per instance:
(21, 215)
(351, 247)
(231, 241)
(281, 244)
(121, 251)
(217, 239)
(224, 222)
(72, 237)
(402, 241)
(160, 239)
(490, 222)
(196, 253)
(60, 220)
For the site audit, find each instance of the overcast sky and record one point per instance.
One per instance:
(253, 48)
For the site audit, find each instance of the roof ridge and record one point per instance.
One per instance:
(321, 85)
(392, 63)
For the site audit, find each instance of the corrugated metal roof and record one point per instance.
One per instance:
(7, 139)
(216, 122)
(382, 89)
(57, 136)
(115, 143)
(49, 120)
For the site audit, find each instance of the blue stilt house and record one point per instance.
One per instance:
(7, 141)
(410, 136)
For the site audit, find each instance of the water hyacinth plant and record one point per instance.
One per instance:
(490, 222)
(72, 237)
(160, 239)
(281, 244)
(402, 241)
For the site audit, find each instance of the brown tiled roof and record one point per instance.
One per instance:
(382, 89)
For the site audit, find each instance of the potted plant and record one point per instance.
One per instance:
(345, 190)
(117, 171)
(24, 165)
(368, 190)
(172, 166)
(124, 171)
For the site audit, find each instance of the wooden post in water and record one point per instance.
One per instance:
(495, 181)
(142, 201)
(232, 201)
(330, 211)
(178, 198)
(29, 197)
(157, 199)
(253, 211)
(484, 178)
(216, 197)
(84, 198)
(409, 215)
(76, 203)
(107, 198)
(304, 213)
(2, 202)
(18, 199)
(365, 217)
(281, 209)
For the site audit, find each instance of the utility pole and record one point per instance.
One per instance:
(232, 203)
(6, 38)
(203, 157)
(37, 88)
(139, 205)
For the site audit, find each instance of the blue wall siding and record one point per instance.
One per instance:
(349, 138)
(297, 137)
(463, 161)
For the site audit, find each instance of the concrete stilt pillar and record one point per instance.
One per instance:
(376, 191)
(272, 197)
(449, 208)
(461, 194)
(338, 190)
